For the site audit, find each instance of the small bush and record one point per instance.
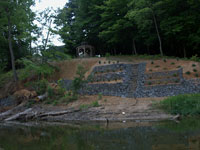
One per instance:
(152, 62)
(95, 104)
(196, 75)
(164, 60)
(104, 62)
(109, 62)
(178, 67)
(172, 63)
(195, 70)
(50, 92)
(195, 58)
(175, 75)
(150, 70)
(188, 73)
(100, 96)
(149, 83)
(193, 65)
(157, 66)
(99, 62)
(118, 62)
(107, 55)
(84, 106)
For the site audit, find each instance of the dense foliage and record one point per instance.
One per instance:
(182, 104)
(169, 27)
(19, 16)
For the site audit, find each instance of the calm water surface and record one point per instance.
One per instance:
(95, 136)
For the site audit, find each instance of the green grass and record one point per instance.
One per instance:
(183, 104)
(86, 106)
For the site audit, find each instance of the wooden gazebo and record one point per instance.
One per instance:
(85, 50)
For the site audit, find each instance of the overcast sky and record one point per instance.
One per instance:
(55, 4)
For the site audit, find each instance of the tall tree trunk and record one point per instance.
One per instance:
(184, 52)
(47, 39)
(148, 50)
(158, 33)
(11, 48)
(134, 47)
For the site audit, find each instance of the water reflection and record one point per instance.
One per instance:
(117, 136)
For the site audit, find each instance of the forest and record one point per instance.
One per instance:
(152, 27)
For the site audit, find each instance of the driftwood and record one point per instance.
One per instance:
(18, 115)
(41, 97)
(59, 113)
(11, 111)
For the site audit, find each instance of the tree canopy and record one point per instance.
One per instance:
(166, 27)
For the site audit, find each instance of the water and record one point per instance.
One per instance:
(95, 136)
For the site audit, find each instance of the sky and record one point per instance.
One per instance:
(55, 4)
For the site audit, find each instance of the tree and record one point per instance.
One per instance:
(144, 14)
(16, 26)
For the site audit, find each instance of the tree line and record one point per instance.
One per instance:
(165, 27)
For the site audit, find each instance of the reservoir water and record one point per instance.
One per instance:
(168, 135)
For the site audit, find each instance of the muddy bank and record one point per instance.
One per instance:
(113, 109)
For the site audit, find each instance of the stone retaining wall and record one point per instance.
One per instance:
(134, 80)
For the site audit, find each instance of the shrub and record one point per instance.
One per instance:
(196, 75)
(84, 106)
(193, 65)
(182, 104)
(150, 70)
(79, 80)
(94, 104)
(149, 83)
(35, 69)
(157, 66)
(39, 86)
(109, 62)
(107, 55)
(178, 67)
(195, 58)
(172, 63)
(188, 73)
(195, 70)
(100, 96)
(175, 75)
(50, 92)
(152, 62)
(99, 62)
(165, 60)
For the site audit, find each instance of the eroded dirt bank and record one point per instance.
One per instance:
(109, 109)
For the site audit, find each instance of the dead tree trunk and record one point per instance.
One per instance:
(134, 47)
(47, 39)
(158, 33)
(11, 48)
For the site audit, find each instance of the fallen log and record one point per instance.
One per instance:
(11, 111)
(59, 113)
(18, 115)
